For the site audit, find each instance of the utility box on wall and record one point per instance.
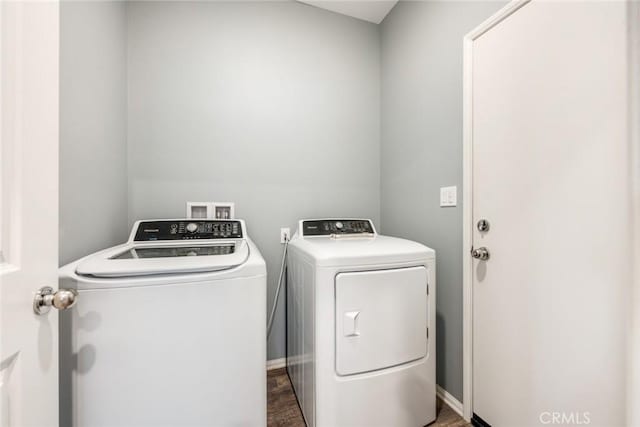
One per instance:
(211, 210)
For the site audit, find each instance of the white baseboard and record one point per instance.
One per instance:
(451, 401)
(276, 363)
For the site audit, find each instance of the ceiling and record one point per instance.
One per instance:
(367, 10)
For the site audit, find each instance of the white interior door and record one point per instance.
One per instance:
(550, 174)
(29, 211)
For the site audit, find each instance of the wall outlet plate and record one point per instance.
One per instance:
(448, 196)
(285, 234)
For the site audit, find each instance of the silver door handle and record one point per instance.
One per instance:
(480, 253)
(45, 298)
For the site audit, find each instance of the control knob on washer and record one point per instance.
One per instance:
(339, 225)
(192, 227)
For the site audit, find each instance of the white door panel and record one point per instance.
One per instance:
(381, 319)
(550, 174)
(28, 211)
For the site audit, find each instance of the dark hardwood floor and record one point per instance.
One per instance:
(283, 410)
(282, 407)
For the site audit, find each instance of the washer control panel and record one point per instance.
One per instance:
(329, 227)
(149, 231)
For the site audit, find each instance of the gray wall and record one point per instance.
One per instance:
(274, 106)
(422, 149)
(93, 145)
(93, 151)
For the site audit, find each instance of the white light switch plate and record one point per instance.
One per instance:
(448, 196)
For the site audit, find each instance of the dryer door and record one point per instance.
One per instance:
(381, 319)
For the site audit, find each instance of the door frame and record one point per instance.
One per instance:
(467, 196)
(633, 387)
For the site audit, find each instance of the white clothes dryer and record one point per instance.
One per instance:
(360, 326)
(168, 330)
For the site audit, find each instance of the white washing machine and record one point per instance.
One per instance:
(169, 329)
(360, 326)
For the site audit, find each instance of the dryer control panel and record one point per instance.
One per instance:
(149, 231)
(330, 227)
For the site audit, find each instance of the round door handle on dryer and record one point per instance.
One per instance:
(46, 298)
(480, 253)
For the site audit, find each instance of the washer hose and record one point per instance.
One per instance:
(275, 301)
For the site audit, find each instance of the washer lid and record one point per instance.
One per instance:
(166, 258)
